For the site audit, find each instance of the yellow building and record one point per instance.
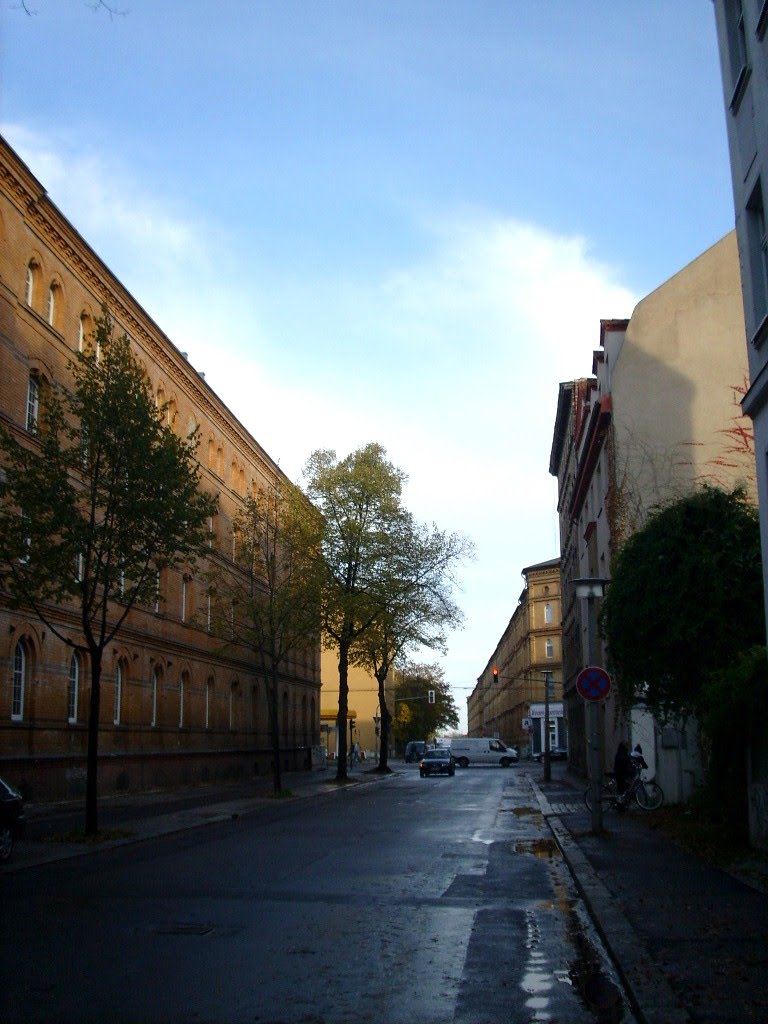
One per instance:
(509, 697)
(364, 714)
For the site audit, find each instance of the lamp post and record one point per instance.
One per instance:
(590, 589)
(547, 760)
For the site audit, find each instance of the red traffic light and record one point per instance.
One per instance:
(495, 674)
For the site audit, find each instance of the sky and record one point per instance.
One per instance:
(397, 221)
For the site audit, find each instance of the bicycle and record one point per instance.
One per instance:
(647, 793)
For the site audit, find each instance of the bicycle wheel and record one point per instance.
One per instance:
(649, 796)
(607, 799)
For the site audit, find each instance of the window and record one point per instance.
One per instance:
(182, 691)
(118, 693)
(33, 403)
(20, 672)
(155, 684)
(74, 686)
(758, 253)
(232, 695)
(208, 703)
(737, 38)
(53, 312)
(32, 283)
(550, 647)
(547, 612)
(184, 599)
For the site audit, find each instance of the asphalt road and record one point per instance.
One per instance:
(408, 901)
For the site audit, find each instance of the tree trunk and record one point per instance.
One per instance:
(385, 723)
(274, 730)
(92, 759)
(341, 721)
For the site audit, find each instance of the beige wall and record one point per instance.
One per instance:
(677, 381)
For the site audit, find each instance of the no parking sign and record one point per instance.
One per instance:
(593, 683)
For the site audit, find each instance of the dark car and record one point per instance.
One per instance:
(12, 820)
(437, 761)
(555, 754)
(414, 750)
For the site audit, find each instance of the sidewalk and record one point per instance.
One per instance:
(689, 941)
(137, 817)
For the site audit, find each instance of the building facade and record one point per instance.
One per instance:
(177, 704)
(659, 416)
(363, 713)
(508, 699)
(742, 32)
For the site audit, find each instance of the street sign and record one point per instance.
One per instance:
(527, 723)
(593, 683)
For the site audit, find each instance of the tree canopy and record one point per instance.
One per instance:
(685, 599)
(266, 597)
(97, 498)
(385, 581)
(415, 718)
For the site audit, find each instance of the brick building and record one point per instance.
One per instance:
(176, 705)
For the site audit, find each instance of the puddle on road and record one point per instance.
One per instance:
(584, 967)
(546, 848)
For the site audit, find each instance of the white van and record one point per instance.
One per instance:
(469, 750)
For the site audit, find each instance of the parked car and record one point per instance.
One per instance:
(438, 761)
(555, 754)
(469, 750)
(414, 750)
(12, 819)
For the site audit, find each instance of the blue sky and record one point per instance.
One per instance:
(392, 221)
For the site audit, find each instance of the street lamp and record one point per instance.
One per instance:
(546, 755)
(589, 589)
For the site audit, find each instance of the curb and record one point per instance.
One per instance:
(650, 995)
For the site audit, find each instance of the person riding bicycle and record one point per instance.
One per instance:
(623, 769)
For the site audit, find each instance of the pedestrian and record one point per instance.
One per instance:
(622, 768)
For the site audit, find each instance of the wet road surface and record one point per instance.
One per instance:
(407, 901)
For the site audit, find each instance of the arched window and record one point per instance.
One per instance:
(547, 612)
(118, 693)
(209, 692)
(550, 647)
(211, 453)
(33, 403)
(20, 679)
(32, 285)
(183, 687)
(232, 696)
(53, 313)
(73, 690)
(254, 722)
(156, 681)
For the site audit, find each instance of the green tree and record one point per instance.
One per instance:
(419, 612)
(685, 599)
(415, 718)
(364, 528)
(94, 505)
(266, 597)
